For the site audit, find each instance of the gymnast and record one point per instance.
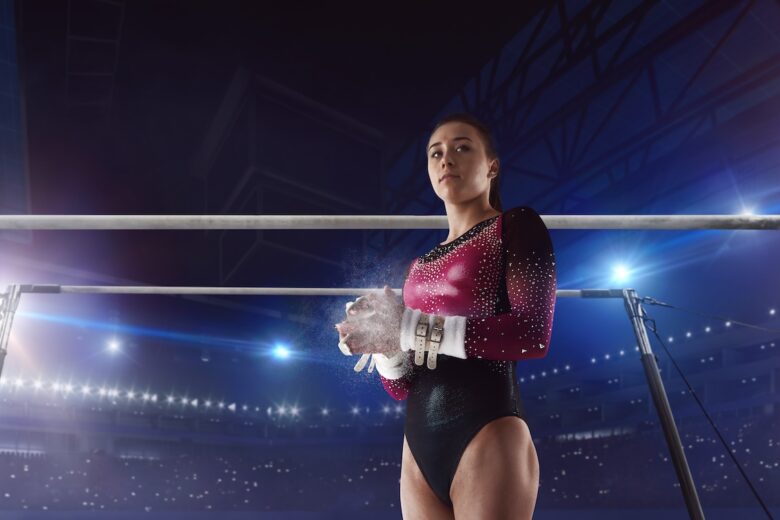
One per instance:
(470, 309)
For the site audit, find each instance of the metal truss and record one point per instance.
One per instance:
(558, 97)
(9, 302)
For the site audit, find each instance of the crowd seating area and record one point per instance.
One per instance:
(607, 472)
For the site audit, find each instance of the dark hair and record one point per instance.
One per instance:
(494, 198)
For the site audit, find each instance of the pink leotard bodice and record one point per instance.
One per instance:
(501, 276)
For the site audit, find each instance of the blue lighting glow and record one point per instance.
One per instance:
(620, 273)
(185, 338)
(113, 346)
(281, 352)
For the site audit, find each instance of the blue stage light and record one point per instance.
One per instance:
(620, 273)
(113, 346)
(281, 352)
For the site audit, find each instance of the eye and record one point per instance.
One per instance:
(433, 154)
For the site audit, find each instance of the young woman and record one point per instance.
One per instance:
(474, 305)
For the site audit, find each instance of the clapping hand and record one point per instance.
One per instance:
(372, 325)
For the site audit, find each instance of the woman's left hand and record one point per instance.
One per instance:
(373, 324)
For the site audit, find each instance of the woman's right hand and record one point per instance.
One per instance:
(350, 323)
(372, 324)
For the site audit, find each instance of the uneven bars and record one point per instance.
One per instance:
(249, 222)
(250, 291)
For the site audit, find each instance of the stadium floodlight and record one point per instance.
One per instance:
(620, 273)
(113, 346)
(281, 352)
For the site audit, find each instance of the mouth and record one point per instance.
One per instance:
(447, 176)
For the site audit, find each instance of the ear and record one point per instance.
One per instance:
(494, 166)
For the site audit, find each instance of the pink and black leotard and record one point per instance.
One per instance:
(500, 277)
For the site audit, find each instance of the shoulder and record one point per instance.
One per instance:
(523, 218)
(524, 229)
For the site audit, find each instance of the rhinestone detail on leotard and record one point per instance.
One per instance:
(442, 249)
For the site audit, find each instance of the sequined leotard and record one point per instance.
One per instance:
(501, 276)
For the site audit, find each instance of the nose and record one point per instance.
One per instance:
(446, 159)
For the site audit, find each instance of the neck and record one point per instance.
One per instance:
(462, 217)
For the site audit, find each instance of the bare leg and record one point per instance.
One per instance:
(498, 474)
(418, 501)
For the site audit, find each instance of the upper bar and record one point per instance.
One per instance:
(267, 291)
(199, 222)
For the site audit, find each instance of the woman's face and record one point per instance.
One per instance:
(457, 165)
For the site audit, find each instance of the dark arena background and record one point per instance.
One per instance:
(185, 406)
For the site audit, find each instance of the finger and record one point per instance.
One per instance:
(345, 328)
(360, 318)
(359, 305)
(343, 347)
(357, 344)
(362, 362)
(363, 304)
(394, 296)
(349, 306)
(361, 314)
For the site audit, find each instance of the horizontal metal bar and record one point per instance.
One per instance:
(264, 291)
(198, 222)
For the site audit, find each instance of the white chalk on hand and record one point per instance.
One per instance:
(362, 362)
(343, 346)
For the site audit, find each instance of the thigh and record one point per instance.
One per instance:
(418, 500)
(498, 473)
